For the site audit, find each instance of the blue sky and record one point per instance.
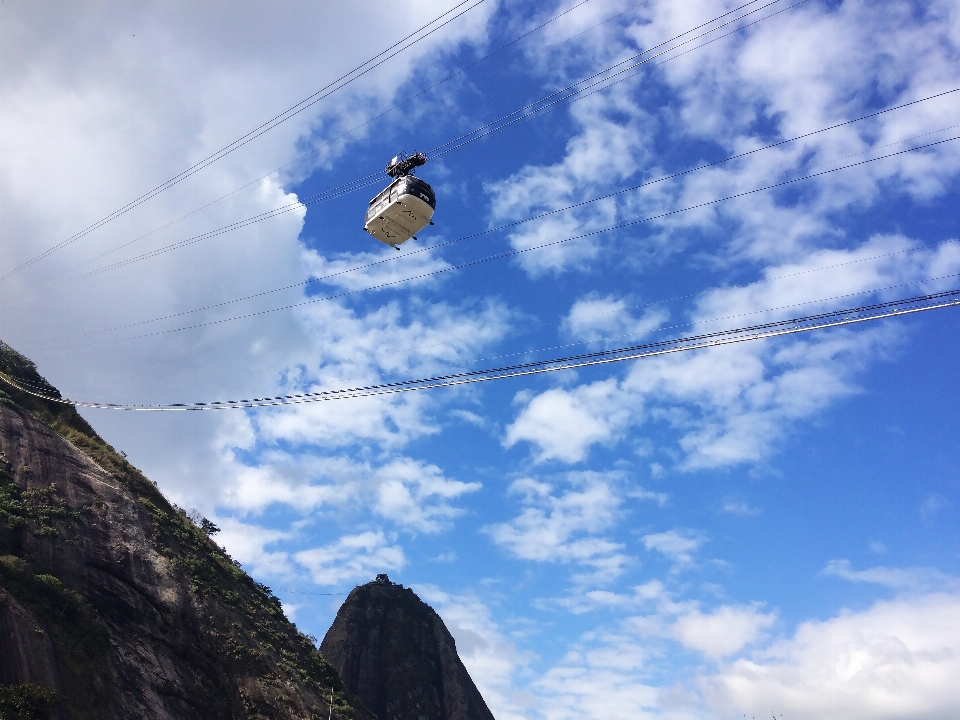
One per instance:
(766, 527)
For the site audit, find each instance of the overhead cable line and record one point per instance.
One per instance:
(772, 329)
(497, 256)
(662, 301)
(352, 185)
(484, 131)
(699, 321)
(576, 92)
(290, 112)
(651, 303)
(320, 197)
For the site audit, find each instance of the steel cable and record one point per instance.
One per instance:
(312, 199)
(775, 328)
(352, 185)
(496, 256)
(371, 179)
(307, 102)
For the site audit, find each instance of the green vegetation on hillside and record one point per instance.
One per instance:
(243, 616)
(25, 702)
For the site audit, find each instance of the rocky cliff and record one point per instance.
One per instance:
(395, 654)
(115, 605)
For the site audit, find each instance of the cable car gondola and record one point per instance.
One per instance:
(404, 207)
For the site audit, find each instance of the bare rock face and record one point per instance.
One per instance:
(395, 654)
(118, 603)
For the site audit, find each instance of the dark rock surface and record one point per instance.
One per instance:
(119, 602)
(395, 654)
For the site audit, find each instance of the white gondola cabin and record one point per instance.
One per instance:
(404, 207)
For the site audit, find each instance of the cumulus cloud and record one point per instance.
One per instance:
(739, 507)
(390, 422)
(394, 338)
(412, 494)
(722, 632)
(566, 526)
(358, 271)
(614, 140)
(677, 545)
(246, 543)
(82, 78)
(91, 120)
(352, 557)
(609, 671)
(416, 496)
(896, 659)
(565, 423)
(598, 684)
(594, 317)
(734, 404)
(833, 54)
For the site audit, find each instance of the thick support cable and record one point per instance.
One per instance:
(772, 329)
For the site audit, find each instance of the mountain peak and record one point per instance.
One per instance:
(115, 604)
(394, 652)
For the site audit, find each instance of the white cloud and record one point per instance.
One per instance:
(902, 579)
(612, 145)
(592, 318)
(734, 404)
(352, 557)
(678, 545)
(722, 632)
(826, 56)
(246, 543)
(739, 507)
(598, 685)
(564, 423)
(91, 120)
(415, 495)
(897, 659)
(372, 269)
(414, 337)
(640, 493)
(566, 526)
(388, 421)
(412, 494)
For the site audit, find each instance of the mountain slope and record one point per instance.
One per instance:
(394, 652)
(115, 600)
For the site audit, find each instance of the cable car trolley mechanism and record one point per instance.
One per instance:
(404, 207)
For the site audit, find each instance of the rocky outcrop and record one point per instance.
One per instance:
(395, 654)
(119, 602)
